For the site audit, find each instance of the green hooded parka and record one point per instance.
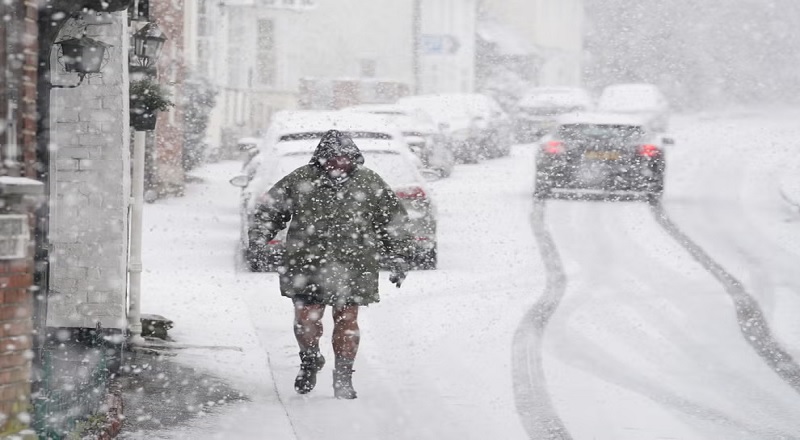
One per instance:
(340, 229)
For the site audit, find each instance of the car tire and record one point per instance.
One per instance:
(540, 194)
(428, 261)
(255, 261)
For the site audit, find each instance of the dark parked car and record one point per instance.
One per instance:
(600, 154)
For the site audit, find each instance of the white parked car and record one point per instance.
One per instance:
(313, 123)
(293, 141)
(644, 100)
(420, 133)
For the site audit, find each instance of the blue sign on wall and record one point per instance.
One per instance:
(439, 44)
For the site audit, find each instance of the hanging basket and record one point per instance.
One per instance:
(143, 120)
(147, 98)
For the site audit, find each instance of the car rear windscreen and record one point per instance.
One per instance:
(395, 168)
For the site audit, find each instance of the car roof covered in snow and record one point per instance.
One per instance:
(299, 152)
(601, 119)
(405, 117)
(627, 97)
(290, 122)
(379, 108)
(556, 96)
(469, 99)
(455, 109)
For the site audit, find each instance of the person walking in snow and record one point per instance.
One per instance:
(344, 220)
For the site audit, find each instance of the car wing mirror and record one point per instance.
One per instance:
(431, 175)
(240, 181)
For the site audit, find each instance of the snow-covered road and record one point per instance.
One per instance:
(644, 343)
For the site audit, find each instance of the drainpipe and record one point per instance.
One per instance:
(416, 31)
(135, 263)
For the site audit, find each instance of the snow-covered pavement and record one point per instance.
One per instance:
(643, 345)
(435, 355)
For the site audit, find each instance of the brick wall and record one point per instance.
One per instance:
(15, 341)
(90, 189)
(18, 69)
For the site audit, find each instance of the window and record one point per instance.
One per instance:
(289, 4)
(368, 68)
(265, 53)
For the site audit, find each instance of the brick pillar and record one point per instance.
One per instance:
(16, 309)
(18, 198)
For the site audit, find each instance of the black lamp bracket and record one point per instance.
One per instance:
(60, 86)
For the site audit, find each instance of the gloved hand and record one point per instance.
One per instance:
(399, 270)
(256, 237)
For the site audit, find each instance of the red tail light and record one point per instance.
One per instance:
(411, 193)
(553, 147)
(274, 242)
(649, 150)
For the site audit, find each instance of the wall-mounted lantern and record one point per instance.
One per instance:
(147, 44)
(83, 56)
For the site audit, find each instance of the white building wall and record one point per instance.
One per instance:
(553, 27)
(331, 41)
(205, 52)
(190, 32)
(449, 73)
(90, 190)
(328, 40)
(217, 68)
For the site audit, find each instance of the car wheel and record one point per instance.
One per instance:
(428, 261)
(256, 261)
(471, 157)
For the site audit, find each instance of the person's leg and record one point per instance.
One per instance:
(308, 325)
(346, 336)
(307, 331)
(345, 332)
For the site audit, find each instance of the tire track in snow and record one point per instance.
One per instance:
(789, 201)
(530, 389)
(752, 322)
